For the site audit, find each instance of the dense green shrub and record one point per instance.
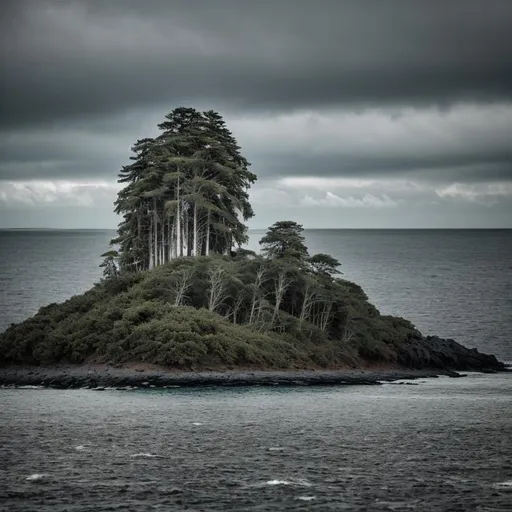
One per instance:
(134, 318)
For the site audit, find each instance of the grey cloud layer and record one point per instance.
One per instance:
(83, 58)
(420, 144)
(412, 90)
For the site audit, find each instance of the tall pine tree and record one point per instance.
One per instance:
(186, 192)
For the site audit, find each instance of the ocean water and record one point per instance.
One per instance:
(38, 267)
(440, 444)
(443, 444)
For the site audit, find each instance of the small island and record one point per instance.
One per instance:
(181, 302)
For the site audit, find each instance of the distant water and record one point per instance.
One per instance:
(455, 283)
(39, 267)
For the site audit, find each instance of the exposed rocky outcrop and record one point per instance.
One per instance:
(446, 354)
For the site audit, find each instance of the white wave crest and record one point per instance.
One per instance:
(36, 476)
(298, 482)
(504, 485)
(139, 455)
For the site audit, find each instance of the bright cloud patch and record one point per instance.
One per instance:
(40, 193)
(307, 191)
(329, 184)
(334, 201)
(351, 192)
(485, 193)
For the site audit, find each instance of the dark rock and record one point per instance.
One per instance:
(445, 354)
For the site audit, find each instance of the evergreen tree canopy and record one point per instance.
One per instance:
(324, 264)
(284, 239)
(186, 192)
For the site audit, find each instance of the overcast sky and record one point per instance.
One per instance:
(353, 113)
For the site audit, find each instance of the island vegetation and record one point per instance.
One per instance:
(180, 291)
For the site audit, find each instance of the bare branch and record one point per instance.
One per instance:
(256, 294)
(281, 285)
(183, 283)
(325, 315)
(217, 293)
(307, 304)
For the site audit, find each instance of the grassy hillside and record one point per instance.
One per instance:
(212, 312)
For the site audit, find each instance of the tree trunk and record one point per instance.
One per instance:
(307, 304)
(325, 317)
(155, 240)
(150, 243)
(171, 239)
(208, 235)
(255, 294)
(280, 287)
(162, 240)
(195, 230)
(139, 238)
(186, 233)
(216, 295)
(179, 247)
(237, 306)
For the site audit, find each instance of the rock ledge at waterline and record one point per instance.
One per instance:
(104, 376)
(428, 357)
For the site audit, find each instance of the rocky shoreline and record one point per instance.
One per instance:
(419, 358)
(104, 376)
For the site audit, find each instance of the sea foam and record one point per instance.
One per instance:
(504, 486)
(36, 476)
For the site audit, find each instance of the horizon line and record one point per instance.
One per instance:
(305, 229)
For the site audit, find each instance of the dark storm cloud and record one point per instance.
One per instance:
(87, 58)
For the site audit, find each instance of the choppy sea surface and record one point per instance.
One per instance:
(443, 444)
